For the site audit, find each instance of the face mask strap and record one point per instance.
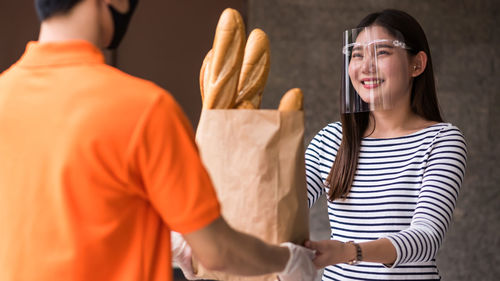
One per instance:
(120, 23)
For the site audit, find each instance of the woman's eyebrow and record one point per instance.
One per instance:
(357, 48)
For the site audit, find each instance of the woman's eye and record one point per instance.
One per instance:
(357, 56)
(382, 52)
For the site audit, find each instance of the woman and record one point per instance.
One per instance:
(392, 169)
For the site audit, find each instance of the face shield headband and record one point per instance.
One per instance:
(366, 53)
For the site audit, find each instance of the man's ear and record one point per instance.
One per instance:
(121, 6)
(418, 64)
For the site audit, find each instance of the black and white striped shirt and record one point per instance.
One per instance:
(405, 189)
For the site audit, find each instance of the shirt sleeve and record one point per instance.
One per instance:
(315, 187)
(172, 174)
(437, 198)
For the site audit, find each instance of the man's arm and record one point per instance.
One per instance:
(221, 248)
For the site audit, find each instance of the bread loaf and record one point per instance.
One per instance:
(292, 100)
(245, 105)
(204, 74)
(225, 63)
(255, 68)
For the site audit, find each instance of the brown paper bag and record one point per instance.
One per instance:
(256, 161)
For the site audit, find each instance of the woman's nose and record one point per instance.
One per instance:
(368, 65)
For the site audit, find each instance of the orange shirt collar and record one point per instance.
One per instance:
(61, 53)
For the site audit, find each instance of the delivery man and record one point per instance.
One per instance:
(97, 167)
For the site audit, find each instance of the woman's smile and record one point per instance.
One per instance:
(371, 83)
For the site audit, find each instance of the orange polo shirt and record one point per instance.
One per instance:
(96, 168)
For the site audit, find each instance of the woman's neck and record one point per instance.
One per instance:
(395, 122)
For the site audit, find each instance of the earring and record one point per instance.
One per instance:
(414, 67)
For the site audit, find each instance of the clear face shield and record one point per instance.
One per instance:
(367, 54)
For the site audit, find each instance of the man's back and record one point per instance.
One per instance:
(84, 155)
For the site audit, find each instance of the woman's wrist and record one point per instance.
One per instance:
(352, 252)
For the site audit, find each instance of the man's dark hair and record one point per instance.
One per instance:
(47, 8)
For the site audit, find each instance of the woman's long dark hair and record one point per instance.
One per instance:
(423, 100)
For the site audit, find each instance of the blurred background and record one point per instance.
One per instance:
(168, 40)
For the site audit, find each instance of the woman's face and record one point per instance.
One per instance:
(379, 70)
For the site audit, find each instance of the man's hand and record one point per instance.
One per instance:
(300, 266)
(181, 255)
(218, 247)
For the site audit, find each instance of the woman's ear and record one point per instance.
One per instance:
(418, 64)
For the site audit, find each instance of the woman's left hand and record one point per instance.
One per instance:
(328, 252)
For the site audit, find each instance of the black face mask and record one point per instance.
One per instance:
(120, 23)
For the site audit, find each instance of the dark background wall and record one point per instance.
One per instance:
(168, 40)
(18, 24)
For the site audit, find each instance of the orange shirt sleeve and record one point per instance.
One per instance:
(169, 166)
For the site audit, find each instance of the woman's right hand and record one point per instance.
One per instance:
(329, 252)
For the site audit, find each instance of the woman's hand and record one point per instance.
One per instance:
(330, 252)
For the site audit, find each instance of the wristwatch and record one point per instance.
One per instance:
(359, 254)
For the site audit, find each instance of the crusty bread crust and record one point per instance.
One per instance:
(245, 104)
(255, 68)
(292, 100)
(204, 74)
(225, 65)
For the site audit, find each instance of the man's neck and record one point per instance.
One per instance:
(81, 23)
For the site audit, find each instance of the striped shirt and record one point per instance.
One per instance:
(405, 189)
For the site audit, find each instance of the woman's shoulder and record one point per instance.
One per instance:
(336, 125)
(441, 137)
(448, 142)
(332, 131)
(445, 129)
(327, 140)
(450, 132)
(334, 128)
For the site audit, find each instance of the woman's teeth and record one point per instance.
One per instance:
(372, 82)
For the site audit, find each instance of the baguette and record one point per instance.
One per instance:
(255, 68)
(245, 104)
(292, 100)
(225, 64)
(204, 74)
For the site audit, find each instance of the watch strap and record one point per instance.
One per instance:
(359, 254)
